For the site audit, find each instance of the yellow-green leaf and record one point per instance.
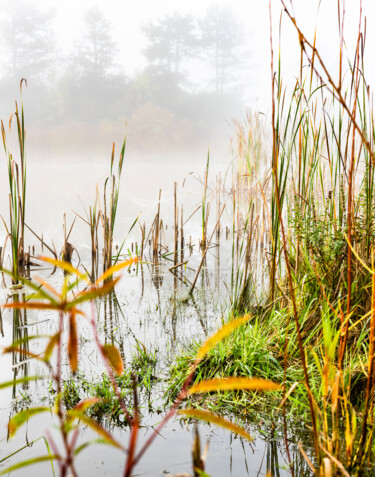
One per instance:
(222, 333)
(93, 292)
(108, 273)
(20, 418)
(86, 403)
(13, 382)
(47, 286)
(214, 419)
(113, 357)
(228, 384)
(25, 463)
(51, 344)
(95, 426)
(65, 266)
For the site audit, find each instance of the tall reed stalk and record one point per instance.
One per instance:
(17, 191)
(110, 198)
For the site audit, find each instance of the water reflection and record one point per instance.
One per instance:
(20, 354)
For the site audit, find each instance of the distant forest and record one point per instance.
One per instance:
(85, 95)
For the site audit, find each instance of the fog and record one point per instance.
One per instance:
(172, 76)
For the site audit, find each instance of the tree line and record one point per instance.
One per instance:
(87, 84)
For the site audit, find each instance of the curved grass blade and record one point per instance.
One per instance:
(84, 446)
(17, 349)
(108, 273)
(19, 419)
(50, 346)
(25, 339)
(65, 266)
(231, 384)
(47, 286)
(96, 427)
(25, 463)
(86, 403)
(33, 305)
(222, 333)
(217, 420)
(14, 382)
(123, 242)
(40, 292)
(93, 293)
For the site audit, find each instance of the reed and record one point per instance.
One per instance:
(319, 199)
(17, 190)
(110, 204)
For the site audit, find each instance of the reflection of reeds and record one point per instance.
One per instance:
(205, 206)
(20, 357)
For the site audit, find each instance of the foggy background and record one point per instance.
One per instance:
(173, 76)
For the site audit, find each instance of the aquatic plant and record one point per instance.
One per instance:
(17, 191)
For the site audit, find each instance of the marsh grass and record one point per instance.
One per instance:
(17, 190)
(314, 326)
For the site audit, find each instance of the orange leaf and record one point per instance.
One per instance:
(222, 333)
(73, 342)
(47, 286)
(228, 384)
(113, 357)
(39, 305)
(108, 273)
(214, 419)
(93, 293)
(86, 403)
(65, 266)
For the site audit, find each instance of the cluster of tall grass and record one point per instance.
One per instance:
(307, 206)
(17, 192)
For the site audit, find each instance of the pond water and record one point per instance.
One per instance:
(148, 312)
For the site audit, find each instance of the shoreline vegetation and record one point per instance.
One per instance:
(302, 288)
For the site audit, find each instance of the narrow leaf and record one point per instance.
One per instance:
(108, 273)
(25, 463)
(86, 403)
(113, 356)
(19, 381)
(30, 284)
(50, 346)
(20, 418)
(214, 419)
(39, 305)
(65, 266)
(227, 384)
(96, 427)
(47, 286)
(93, 293)
(84, 446)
